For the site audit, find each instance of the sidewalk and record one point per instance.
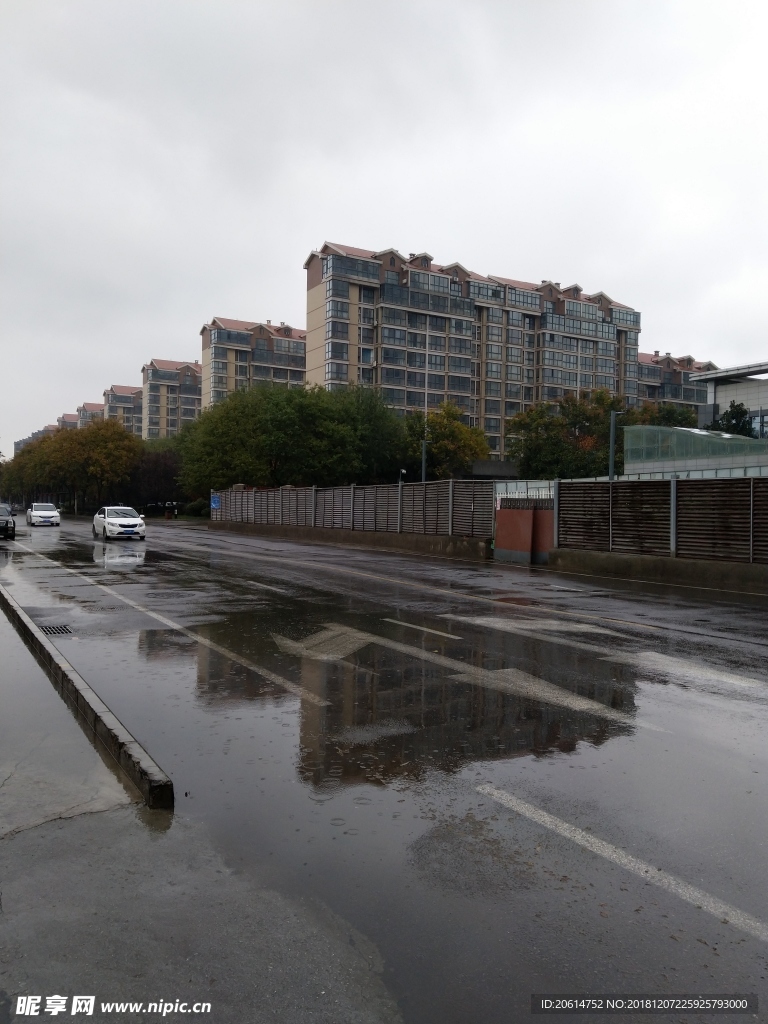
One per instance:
(103, 897)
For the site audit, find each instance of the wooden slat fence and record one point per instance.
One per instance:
(442, 507)
(724, 519)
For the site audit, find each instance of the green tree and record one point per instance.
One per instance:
(270, 436)
(735, 420)
(452, 446)
(573, 438)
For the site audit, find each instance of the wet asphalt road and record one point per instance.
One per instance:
(509, 781)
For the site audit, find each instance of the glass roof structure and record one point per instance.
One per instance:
(653, 444)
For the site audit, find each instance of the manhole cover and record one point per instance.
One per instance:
(55, 630)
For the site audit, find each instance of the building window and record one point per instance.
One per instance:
(436, 343)
(365, 315)
(460, 384)
(493, 388)
(391, 276)
(337, 329)
(436, 362)
(335, 289)
(392, 336)
(336, 371)
(417, 359)
(336, 350)
(511, 408)
(415, 380)
(492, 408)
(393, 356)
(492, 424)
(367, 295)
(334, 308)
(390, 375)
(392, 396)
(365, 375)
(458, 365)
(365, 335)
(365, 355)
(493, 370)
(416, 340)
(436, 381)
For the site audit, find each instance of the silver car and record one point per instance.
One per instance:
(118, 521)
(42, 513)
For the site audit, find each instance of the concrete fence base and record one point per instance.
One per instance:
(91, 711)
(478, 549)
(710, 574)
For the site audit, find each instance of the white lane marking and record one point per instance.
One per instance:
(265, 673)
(336, 642)
(424, 629)
(724, 912)
(264, 586)
(224, 545)
(676, 669)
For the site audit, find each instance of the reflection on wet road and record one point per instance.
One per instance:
(477, 767)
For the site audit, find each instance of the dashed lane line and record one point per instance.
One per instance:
(423, 629)
(226, 549)
(265, 673)
(724, 912)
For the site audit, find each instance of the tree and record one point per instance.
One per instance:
(155, 478)
(270, 436)
(93, 461)
(452, 446)
(735, 420)
(573, 439)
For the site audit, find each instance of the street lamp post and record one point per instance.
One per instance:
(612, 443)
(424, 439)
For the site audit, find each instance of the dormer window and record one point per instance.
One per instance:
(391, 261)
(424, 261)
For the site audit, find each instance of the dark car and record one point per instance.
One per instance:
(7, 525)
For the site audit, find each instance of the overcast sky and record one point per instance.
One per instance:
(171, 160)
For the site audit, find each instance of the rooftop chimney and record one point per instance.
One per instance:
(269, 322)
(656, 352)
(282, 323)
(666, 353)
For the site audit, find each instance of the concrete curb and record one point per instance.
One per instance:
(475, 549)
(706, 574)
(151, 781)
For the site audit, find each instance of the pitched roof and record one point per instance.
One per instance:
(91, 406)
(527, 286)
(233, 325)
(172, 364)
(124, 389)
(69, 417)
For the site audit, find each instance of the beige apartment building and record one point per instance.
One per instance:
(171, 396)
(68, 421)
(666, 379)
(238, 354)
(124, 404)
(426, 333)
(88, 412)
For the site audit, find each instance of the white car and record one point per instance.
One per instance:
(42, 513)
(118, 521)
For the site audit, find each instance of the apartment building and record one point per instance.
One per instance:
(88, 412)
(666, 379)
(427, 333)
(123, 403)
(240, 353)
(47, 431)
(68, 421)
(171, 396)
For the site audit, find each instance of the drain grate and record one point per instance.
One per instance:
(55, 630)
